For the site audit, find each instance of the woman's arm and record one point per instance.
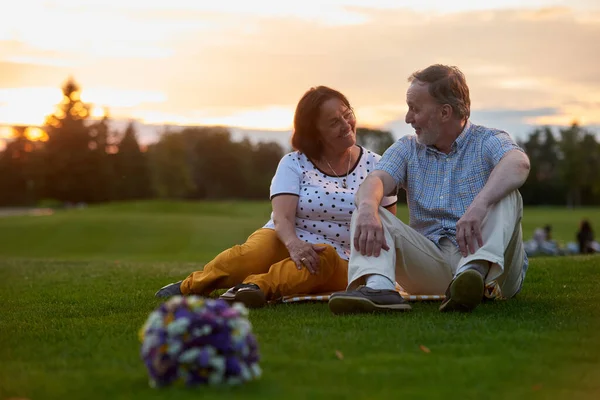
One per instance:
(284, 218)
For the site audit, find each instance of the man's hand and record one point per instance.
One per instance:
(468, 228)
(507, 176)
(368, 234)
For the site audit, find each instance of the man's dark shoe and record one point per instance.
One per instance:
(464, 293)
(249, 294)
(172, 289)
(367, 300)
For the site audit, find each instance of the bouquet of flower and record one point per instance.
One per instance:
(198, 341)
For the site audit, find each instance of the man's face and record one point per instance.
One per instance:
(424, 113)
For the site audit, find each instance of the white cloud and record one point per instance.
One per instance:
(249, 65)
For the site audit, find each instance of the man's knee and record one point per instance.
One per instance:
(513, 200)
(508, 207)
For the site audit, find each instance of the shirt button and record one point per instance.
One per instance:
(442, 197)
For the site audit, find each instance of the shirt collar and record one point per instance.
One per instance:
(458, 142)
(462, 138)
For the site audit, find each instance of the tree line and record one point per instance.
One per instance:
(84, 160)
(565, 167)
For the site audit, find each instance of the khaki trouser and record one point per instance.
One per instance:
(264, 260)
(422, 267)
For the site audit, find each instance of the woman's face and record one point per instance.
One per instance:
(337, 125)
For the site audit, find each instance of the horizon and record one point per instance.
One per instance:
(244, 66)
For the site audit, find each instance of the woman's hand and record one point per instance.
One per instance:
(305, 254)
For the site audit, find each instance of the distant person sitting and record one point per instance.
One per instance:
(305, 246)
(585, 238)
(542, 243)
(540, 235)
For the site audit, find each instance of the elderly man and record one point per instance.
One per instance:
(464, 238)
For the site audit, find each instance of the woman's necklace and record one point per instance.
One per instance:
(344, 184)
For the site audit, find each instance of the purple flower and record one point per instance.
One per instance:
(199, 341)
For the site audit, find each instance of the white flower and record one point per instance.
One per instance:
(154, 320)
(189, 356)
(203, 331)
(174, 347)
(256, 371)
(174, 302)
(178, 326)
(218, 363)
(239, 307)
(150, 342)
(246, 373)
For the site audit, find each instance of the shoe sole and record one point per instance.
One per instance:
(249, 298)
(168, 291)
(466, 293)
(360, 305)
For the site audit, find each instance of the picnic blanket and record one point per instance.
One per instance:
(492, 291)
(325, 296)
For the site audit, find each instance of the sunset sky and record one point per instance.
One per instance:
(246, 63)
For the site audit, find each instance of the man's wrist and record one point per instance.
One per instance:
(482, 199)
(368, 206)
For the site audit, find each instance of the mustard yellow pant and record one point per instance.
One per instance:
(264, 260)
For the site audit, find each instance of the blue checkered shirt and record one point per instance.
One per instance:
(440, 187)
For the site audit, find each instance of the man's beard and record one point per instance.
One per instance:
(428, 138)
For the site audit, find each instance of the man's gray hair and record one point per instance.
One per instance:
(447, 85)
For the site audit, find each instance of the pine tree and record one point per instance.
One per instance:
(132, 168)
(69, 175)
(20, 170)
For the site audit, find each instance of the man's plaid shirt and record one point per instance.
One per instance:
(440, 187)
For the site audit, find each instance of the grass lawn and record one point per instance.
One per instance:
(76, 287)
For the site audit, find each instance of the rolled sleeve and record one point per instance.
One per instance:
(395, 160)
(497, 145)
(389, 201)
(287, 177)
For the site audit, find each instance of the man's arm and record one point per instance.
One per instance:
(508, 175)
(368, 234)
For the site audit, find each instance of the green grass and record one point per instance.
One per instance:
(184, 231)
(148, 231)
(76, 286)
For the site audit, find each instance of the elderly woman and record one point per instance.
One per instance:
(305, 246)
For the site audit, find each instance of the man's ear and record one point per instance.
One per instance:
(446, 112)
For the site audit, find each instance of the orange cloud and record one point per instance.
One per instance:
(188, 62)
